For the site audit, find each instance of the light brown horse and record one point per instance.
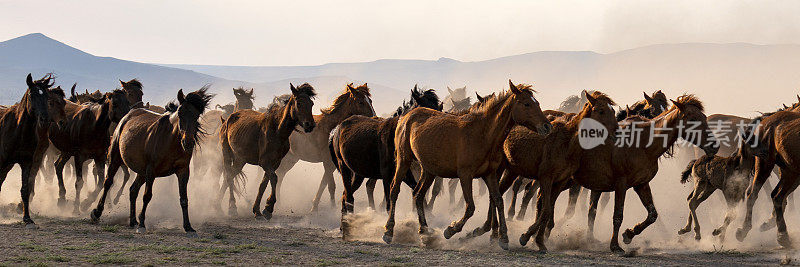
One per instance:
(19, 140)
(634, 163)
(777, 144)
(463, 147)
(552, 159)
(262, 139)
(156, 145)
(313, 146)
(84, 136)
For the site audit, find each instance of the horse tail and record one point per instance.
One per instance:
(687, 172)
(239, 178)
(331, 147)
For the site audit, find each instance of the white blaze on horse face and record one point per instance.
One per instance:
(370, 105)
(534, 99)
(610, 107)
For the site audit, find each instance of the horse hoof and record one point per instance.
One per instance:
(267, 215)
(523, 240)
(740, 234)
(233, 213)
(141, 230)
(387, 238)
(503, 243)
(191, 234)
(697, 237)
(627, 236)
(683, 231)
(95, 216)
(617, 250)
(767, 226)
(716, 232)
(62, 203)
(784, 240)
(449, 232)
(31, 226)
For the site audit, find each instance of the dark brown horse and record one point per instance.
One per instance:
(244, 98)
(472, 148)
(19, 140)
(262, 139)
(363, 147)
(651, 106)
(84, 136)
(313, 146)
(777, 144)
(156, 145)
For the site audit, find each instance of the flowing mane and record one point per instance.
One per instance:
(342, 98)
(502, 97)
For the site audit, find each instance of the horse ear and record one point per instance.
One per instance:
(251, 91)
(350, 88)
(121, 82)
(513, 87)
(480, 99)
(181, 97)
(29, 80)
(678, 105)
(449, 90)
(647, 97)
(589, 98)
(72, 91)
(798, 98)
(294, 90)
(785, 107)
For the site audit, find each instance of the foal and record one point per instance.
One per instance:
(262, 139)
(728, 174)
(472, 149)
(156, 145)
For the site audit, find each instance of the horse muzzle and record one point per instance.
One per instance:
(544, 128)
(308, 126)
(711, 150)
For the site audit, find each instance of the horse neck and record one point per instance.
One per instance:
(21, 109)
(495, 120)
(327, 121)
(286, 124)
(665, 125)
(102, 115)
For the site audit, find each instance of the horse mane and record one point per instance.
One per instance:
(199, 99)
(242, 91)
(569, 102)
(602, 96)
(407, 106)
(135, 82)
(691, 100)
(57, 91)
(306, 89)
(171, 107)
(339, 102)
(500, 98)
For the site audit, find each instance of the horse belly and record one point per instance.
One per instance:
(131, 147)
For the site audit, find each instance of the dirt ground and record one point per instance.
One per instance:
(284, 241)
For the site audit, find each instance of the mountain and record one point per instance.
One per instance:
(729, 78)
(36, 53)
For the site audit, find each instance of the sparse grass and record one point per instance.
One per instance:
(110, 258)
(111, 228)
(89, 246)
(364, 252)
(58, 258)
(296, 244)
(219, 263)
(30, 246)
(326, 262)
(726, 252)
(20, 259)
(399, 259)
(275, 260)
(164, 249)
(220, 236)
(414, 250)
(38, 264)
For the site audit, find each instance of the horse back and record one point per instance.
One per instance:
(244, 134)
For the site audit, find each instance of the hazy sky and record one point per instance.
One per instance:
(317, 32)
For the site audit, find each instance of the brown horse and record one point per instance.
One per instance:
(262, 139)
(19, 140)
(244, 98)
(777, 144)
(313, 146)
(552, 159)
(363, 147)
(633, 162)
(729, 174)
(84, 136)
(156, 145)
(472, 149)
(651, 106)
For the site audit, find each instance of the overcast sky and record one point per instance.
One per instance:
(318, 32)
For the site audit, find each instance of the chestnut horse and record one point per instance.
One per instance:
(633, 162)
(472, 149)
(363, 147)
(84, 136)
(19, 140)
(777, 144)
(262, 139)
(156, 145)
(313, 146)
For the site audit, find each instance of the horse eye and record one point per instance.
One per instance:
(527, 105)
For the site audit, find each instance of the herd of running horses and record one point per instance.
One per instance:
(505, 139)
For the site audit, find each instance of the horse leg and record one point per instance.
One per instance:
(513, 201)
(769, 223)
(25, 194)
(265, 180)
(107, 184)
(530, 190)
(148, 195)
(496, 198)
(451, 189)
(78, 182)
(99, 169)
(125, 176)
(437, 188)
(426, 179)
(230, 185)
(290, 160)
(594, 199)
(370, 191)
(133, 195)
(787, 184)
(730, 215)
(545, 190)
(763, 170)
(62, 190)
(619, 207)
(466, 188)
(403, 164)
(387, 184)
(689, 218)
(183, 181)
(646, 197)
(574, 192)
